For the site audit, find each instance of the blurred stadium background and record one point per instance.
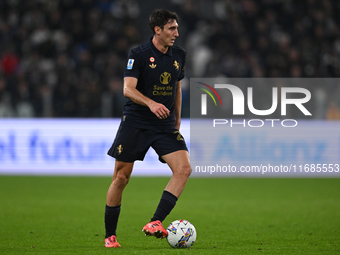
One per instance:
(66, 58)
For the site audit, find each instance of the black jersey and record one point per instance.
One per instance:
(157, 74)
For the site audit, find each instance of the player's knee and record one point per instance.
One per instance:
(122, 180)
(185, 171)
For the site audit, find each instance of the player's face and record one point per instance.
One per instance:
(169, 33)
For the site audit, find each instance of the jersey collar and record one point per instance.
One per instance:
(157, 52)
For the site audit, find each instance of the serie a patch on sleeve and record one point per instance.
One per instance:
(130, 64)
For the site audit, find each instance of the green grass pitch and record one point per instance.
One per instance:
(64, 215)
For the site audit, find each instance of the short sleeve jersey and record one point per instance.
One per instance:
(157, 74)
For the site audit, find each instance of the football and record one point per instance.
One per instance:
(181, 234)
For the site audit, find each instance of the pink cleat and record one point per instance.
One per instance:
(155, 228)
(111, 242)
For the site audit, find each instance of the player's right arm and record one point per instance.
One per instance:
(130, 91)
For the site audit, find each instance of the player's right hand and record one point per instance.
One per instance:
(159, 110)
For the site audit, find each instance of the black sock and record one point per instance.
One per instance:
(167, 203)
(111, 219)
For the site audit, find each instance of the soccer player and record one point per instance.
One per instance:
(151, 117)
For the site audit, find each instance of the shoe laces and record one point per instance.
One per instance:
(112, 239)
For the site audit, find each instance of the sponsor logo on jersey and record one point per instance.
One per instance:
(165, 78)
(153, 66)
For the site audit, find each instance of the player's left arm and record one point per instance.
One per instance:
(178, 105)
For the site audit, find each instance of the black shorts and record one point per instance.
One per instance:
(131, 143)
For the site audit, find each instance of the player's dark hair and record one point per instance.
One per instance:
(160, 17)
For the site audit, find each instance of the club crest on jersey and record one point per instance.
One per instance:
(176, 65)
(130, 63)
(165, 78)
(179, 136)
(120, 149)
